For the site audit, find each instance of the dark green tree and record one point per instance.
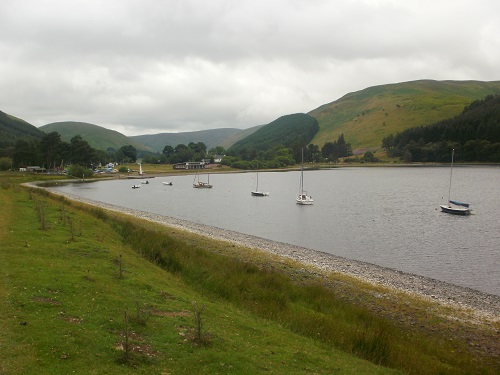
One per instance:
(26, 153)
(81, 152)
(50, 147)
(129, 152)
(168, 151)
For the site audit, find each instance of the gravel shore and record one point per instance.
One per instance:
(481, 305)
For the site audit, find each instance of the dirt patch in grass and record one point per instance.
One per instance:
(48, 300)
(170, 314)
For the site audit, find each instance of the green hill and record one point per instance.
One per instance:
(232, 139)
(98, 137)
(366, 117)
(291, 131)
(12, 129)
(211, 138)
(474, 134)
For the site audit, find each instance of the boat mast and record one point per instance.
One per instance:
(257, 188)
(451, 174)
(302, 174)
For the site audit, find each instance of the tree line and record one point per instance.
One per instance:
(280, 156)
(242, 158)
(474, 134)
(52, 153)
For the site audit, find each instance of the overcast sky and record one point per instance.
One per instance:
(151, 66)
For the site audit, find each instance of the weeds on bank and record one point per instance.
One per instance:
(310, 310)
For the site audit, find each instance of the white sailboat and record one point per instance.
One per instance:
(256, 192)
(140, 169)
(200, 184)
(454, 207)
(303, 198)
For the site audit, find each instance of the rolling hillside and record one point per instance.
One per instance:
(291, 131)
(98, 137)
(211, 138)
(232, 139)
(12, 129)
(365, 117)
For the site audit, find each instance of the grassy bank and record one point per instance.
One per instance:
(86, 290)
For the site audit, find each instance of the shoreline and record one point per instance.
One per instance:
(481, 304)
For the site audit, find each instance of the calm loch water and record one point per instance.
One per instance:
(385, 216)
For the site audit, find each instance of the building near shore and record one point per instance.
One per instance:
(191, 165)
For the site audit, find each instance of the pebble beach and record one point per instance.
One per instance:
(481, 305)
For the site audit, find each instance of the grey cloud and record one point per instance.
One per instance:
(151, 66)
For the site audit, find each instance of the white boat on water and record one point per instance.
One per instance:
(303, 198)
(257, 192)
(136, 186)
(169, 183)
(454, 207)
(200, 184)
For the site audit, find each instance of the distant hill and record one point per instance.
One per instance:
(13, 129)
(98, 137)
(232, 139)
(365, 117)
(211, 138)
(293, 131)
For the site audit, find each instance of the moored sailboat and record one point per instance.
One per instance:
(257, 192)
(200, 184)
(303, 198)
(454, 207)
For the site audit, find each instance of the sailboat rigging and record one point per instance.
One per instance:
(454, 207)
(303, 198)
(200, 184)
(256, 192)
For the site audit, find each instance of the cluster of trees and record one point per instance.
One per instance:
(275, 157)
(474, 134)
(281, 156)
(182, 153)
(51, 152)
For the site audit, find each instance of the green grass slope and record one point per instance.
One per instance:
(211, 138)
(97, 136)
(13, 129)
(365, 117)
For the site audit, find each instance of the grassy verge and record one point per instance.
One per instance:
(86, 290)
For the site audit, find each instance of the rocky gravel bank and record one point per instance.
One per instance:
(482, 305)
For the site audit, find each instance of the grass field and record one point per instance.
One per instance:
(88, 291)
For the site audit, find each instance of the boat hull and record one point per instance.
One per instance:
(455, 210)
(202, 185)
(304, 200)
(259, 194)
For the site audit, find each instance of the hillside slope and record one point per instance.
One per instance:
(232, 139)
(295, 130)
(211, 138)
(365, 117)
(12, 129)
(98, 137)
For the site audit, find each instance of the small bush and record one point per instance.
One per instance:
(79, 171)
